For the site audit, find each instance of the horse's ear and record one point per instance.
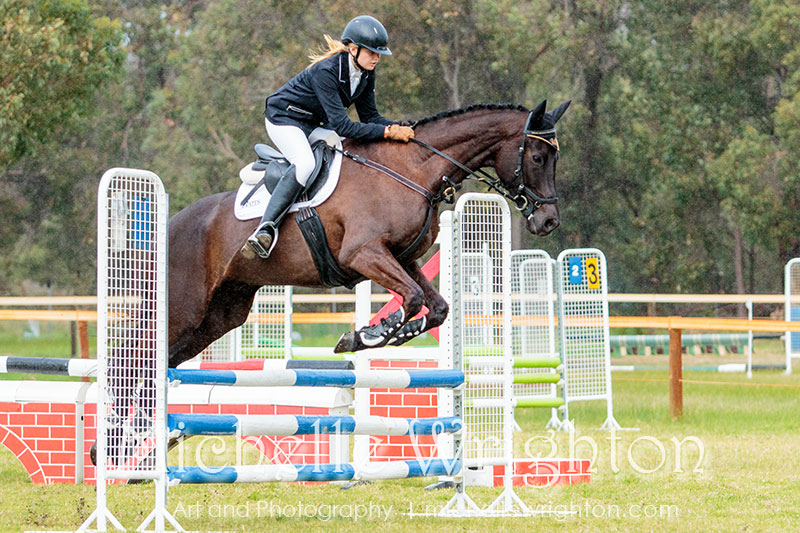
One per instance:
(557, 112)
(537, 116)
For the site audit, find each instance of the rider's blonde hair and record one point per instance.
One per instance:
(334, 47)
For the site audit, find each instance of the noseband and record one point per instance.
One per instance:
(523, 197)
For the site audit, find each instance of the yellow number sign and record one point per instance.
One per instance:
(592, 273)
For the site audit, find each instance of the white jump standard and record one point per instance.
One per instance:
(584, 330)
(475, 242)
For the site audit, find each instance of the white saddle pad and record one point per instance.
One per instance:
(255, 206)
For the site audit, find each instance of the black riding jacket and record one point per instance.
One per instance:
(319, 96)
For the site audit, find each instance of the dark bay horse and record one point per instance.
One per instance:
(368, 220)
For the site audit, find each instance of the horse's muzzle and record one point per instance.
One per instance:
(544, 220)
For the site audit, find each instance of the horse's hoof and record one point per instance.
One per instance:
(347, 343)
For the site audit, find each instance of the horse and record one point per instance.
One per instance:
(376, 227)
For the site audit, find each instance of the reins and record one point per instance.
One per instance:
(520, 198)
(429, 195)
(433, 199)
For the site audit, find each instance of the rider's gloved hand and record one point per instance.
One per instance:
(396, 132)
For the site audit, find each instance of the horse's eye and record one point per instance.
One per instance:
(537, 160)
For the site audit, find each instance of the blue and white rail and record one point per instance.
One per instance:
(311, 472)
(391, 379)
(198, 424)
(79, 368)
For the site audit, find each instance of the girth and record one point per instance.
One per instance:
(331, 274)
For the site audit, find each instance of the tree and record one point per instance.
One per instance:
(756, 173)
(55, 56)
(679, 153)
(699, 82)
(203, 122)
(599, 193)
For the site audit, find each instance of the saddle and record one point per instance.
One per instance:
(274, 165)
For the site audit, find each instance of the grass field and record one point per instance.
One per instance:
(735, 470)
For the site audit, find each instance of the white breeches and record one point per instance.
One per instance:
(293, 144)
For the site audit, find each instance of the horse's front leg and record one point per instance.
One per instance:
(374, 261)
(437, 309)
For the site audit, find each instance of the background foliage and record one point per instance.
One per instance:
(680, 153)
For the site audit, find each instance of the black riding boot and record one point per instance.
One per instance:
(264, 238)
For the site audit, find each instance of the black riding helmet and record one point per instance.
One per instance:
(368, 32)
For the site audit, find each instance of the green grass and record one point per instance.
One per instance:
(54, 340)
(747, 478)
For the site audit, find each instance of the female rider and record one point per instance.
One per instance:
(319, 96)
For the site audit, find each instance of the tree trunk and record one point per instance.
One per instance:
(451, 72)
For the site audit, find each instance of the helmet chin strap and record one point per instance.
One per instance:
(355, 58)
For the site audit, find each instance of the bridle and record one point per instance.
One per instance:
(547, 136)
(523, 197)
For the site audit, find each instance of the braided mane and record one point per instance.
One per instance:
(467, 109)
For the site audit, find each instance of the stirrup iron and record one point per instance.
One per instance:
(255, 245)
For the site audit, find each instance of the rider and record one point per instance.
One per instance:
(319, 96)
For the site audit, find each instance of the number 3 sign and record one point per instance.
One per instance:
(592, 273)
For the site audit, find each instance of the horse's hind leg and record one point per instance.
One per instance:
(374, 261)
(437, 309)
(227, 309)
